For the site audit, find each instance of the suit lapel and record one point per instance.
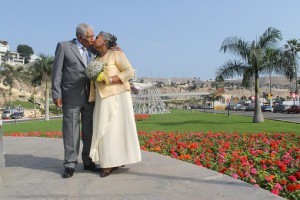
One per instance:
(75, 50)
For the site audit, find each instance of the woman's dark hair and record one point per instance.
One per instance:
(110, 38)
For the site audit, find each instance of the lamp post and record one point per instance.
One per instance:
(34, 105)
(17, 114)
(47, 105)
(228, 107)
(297, 91)
(270, 85)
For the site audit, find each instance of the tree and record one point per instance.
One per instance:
(213, 97)
(25, 51)
(254, 61)
(293, 46)
(42, 71)
(194, 103)
(6, 57)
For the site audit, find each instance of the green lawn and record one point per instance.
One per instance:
(177, 120)
(33, 126)
(199, 121)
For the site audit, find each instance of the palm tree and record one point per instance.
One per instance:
(254, 61)
(42, 70)
(213, 97)
(271, 57)
(293, 46)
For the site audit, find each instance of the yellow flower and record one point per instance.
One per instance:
(103, 77)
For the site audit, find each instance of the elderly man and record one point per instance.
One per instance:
(70, 91)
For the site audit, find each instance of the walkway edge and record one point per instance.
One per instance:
(2, 159)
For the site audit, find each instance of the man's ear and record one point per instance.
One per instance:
(79, 38)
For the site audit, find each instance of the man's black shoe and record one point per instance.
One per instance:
(68, 172)
(92, 167)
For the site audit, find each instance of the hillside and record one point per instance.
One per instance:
(280, 86)
(22, 90)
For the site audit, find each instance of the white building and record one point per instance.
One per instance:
(14, 57)
(4, 47)
(33, 58)
(134, 78)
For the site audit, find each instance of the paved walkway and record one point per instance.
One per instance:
(33, 168)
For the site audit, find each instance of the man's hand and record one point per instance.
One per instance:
(58, 103)
(116, 48)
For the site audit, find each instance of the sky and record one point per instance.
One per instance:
(161, 38)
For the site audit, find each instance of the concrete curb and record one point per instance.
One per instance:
(2, 165)
(2, 159)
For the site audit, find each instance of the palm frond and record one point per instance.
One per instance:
(247, 78)
(293, 45)
(231, 69)
(269, 38)
(236, 46)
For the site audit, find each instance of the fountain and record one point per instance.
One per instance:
(146, 100)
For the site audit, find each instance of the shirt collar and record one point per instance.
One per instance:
(79, 45)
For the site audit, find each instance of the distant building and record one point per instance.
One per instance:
(15, 59)
(33, 58)
(4, 47)
(134, 78)
(10, 57)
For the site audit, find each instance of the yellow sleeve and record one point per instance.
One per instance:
(122, 63)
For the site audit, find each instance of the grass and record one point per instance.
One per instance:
(34, 126)
(199, 121)
(177, 120)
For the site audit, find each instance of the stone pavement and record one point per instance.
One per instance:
(33, 168)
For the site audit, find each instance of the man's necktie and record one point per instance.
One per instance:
(85, 56)
(85, 59)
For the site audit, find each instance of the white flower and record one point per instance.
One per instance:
(93, 69)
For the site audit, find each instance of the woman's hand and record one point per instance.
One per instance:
(115, 79)
(103, 78)
(108, 80)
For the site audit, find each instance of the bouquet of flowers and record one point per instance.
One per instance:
(95, 71)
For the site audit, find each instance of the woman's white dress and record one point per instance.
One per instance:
(115, 141)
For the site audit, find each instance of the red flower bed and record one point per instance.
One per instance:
(141, 117)
(270, 161)
(36, 134)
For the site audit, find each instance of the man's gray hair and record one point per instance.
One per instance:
(82, 28)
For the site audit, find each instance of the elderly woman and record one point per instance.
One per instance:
(115, 141)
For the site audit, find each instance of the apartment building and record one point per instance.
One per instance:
(10, 57)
